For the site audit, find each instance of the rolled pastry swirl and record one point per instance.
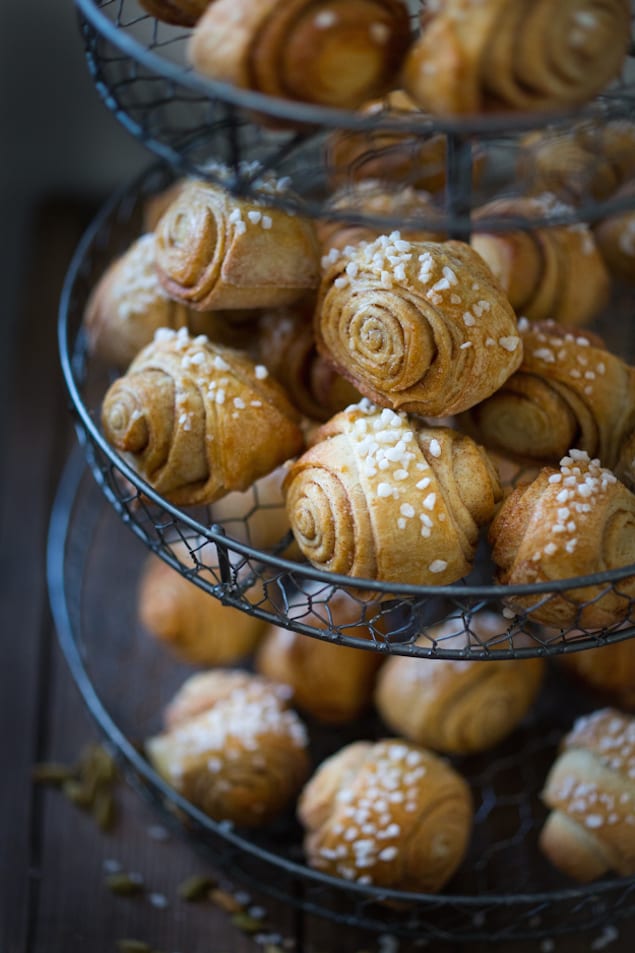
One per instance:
(179, 12)
(568, 391)
(592, 160)
(189, 621)
(615, 237)
(573, 521)
(591, 792)
(549, 273)
(232, 748)
(457, 706)
(196, 420)
(369, 198)
(389, 814)
(609, 671)
(379, 496)
(129, 304)
(216, 251)
(416, 326)
(523, 55)
(286, 346)
(333, 683)
(328, 52)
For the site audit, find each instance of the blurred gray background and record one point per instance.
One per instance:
(57, 138)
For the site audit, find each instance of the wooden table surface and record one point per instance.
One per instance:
(53, 857)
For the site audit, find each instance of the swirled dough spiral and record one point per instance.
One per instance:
(416, 326)
(528, 55)
(457, 706)
(390, 814)
(329, 52)
(232, 748)
(196, 420)
(548, 272)
(215, 251)
(591, 792)
(568, 391)
(380, 496)
(569, 522)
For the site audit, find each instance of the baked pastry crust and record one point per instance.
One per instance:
(416, 326)
(389, 814)
(523, 55)
(609, 671)
(216, 251)
(549, 273)
(569, 522)
(179, 12)
(286, 346)
(591, 792)
(232, 747)
(197, 421)
(568, 390)
(590, 160)
(370, 198)
(129, 305)
(389, 156)
(336, 53)
(380, 496)
(332, 683)
(615, 237)
(189, 621)
(457, 706)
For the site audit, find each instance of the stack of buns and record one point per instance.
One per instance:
(341, 394)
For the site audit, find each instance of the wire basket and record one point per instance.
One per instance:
(505, 890)
(140, 68)
(222, 553)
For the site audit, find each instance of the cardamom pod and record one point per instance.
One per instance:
(133, 946)
(195, 888)
(242, 921)
(124, 885)
(51, 772)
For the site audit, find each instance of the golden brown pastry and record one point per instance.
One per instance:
(416, 326)
(568, 391)
(457, 706)
(216, 251)
(592, 160)
(197, 627)
(333, 683)
(389, 814)
(381, 496)
(129, 304)
(388, 156)
(180, 12)
(573, 521)
(328, 52)
(232, 748)
(615, 236)
(523, 55)
(196, 420)
(591, 792)
(609, 671)
(286, 346)
(411, 207)
(549, 273)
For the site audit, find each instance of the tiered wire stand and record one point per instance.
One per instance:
(505, 889)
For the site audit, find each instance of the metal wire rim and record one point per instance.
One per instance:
(304, 113)
(239, 108)
(57, 539)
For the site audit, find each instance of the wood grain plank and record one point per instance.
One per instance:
(36, 424)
